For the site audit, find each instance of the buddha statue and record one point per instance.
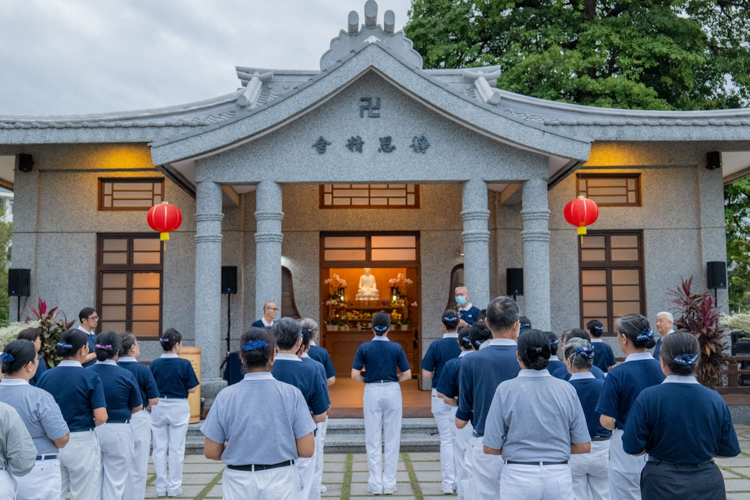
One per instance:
(368, 289)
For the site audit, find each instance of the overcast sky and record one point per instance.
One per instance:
(88, 56)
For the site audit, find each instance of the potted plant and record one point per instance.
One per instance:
(405, 323)
(332, 324)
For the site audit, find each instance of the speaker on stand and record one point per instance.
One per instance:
(19, 285)
(228, 288)
(716, 277)
(514, 281)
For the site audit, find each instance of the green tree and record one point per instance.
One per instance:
(649, 54)
(737, 217)
(6, 230)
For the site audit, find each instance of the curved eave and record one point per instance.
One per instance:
(436, 95)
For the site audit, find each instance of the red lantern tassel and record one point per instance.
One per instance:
(164, 236)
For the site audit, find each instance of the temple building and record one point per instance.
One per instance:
(302, 179)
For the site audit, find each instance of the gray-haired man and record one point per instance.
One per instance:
(664, 322)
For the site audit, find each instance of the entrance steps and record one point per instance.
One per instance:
(347, 435)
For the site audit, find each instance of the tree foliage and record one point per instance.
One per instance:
(648, 54)
(737, 219)
(6, 230)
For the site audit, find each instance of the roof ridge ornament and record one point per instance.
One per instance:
(484, 89)
(249, 97)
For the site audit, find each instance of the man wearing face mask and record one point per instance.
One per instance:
(469, 313)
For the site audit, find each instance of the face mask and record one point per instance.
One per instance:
(460, 300)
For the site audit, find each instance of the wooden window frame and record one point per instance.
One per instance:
(323, 206)
(128, 269)
(139, 180)
(636, 176)
(608, 265)
(368, 262)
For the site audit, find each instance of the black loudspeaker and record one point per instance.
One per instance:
(514, 279)
(24, 162)
(19, 282)
(229, 279)
(716, 274)
(713, 160)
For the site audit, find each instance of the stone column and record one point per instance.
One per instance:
(476, 239)
(535, 237)
(268, 238)
(208, 285)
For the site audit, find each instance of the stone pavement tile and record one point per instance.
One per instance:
(334, 490)
(428, 476)
(432, 488)
(194, 459)
(740, 461)
(737, 484)
(426, 465)
(188, 490)
(203, 479)
(215, 467)
(419, 456)
(215, 492)
(362, 466)
(335, 467)
(334, 457)
(360, 457)
(736, 496)
(360, 489)
(332, 477)
(397, 496)
(729, 474)
(363, 477)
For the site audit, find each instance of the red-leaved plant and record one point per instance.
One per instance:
(700, 317)
(52, 329)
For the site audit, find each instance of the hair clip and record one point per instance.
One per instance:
(478, 342)
(105, 347)
(585, 352)
(254, 345)
(599, 328)
(64, 345)
(686, 359)
(466, 339)
(525, 325)
(6, 357)
(163, 340)
(380, 329)
(554, 343)
(646, 334)
(450, 319)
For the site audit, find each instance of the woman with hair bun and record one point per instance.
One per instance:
(590, 472)
(36, 337)
(175, 379)
(259, 427)
(123, 399)
(535, 447)
(42, 417)
(621, 387)
(680, 450)
(80, 396)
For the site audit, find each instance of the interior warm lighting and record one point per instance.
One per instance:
(610, 154)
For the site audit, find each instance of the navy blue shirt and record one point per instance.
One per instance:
(39, 370)
(91, 337)
(479, 377)
(563, 373)
(322, 371)
(120, 390)
(380, 357)
(624, 383)
(471, 315)
(439, 353)
(682, 423)
(554, 365)
(448, 385)
(320, 355)
(233, 370)
(589, 389)
(143, 377)
(603, 356)
(174, 376)
(305, 377)
(78, 392)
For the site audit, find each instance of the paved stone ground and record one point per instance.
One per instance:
(418, 476)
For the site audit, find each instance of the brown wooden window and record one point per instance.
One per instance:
(611, 190)
(366, 248)
(611, 276)
(129, 284)
(369, 196)
(130, 194)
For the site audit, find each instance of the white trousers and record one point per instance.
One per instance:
(141, 424)
(484, 471)
(383, 409)
(306, 467)
(536, 482)
(116, 443)
(445, 417)
(320, 442)
(591, 472)
(624, 470)
(169, 424)
(80, 466)
(460, 445)
(42, 483)
(273, 484)
(8, 486)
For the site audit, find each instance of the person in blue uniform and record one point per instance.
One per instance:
(536, 448)
(524, 323)
(469, 313)
(480, 375)
(80, 396)
(123, 399)
(554, 360)
(259, 428)
(320, 355)
(604, 358)
(289, 368)
(438, 354)
(664, 322)
(42, 417)
(680, 449)
(563, 372)
(232, 368)
(470, 338)
(621, 387)
(140, 422)
(590, 471)
(88, 319)
(35, 336)
(175, 379)
(270, 310)
(382, 404)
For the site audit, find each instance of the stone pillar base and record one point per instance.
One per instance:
(210, 387)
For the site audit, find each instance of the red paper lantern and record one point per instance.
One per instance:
(581, 212)
(164, 218)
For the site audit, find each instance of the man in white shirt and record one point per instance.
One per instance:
(270, 310)
(89, 320)
(664, 322)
